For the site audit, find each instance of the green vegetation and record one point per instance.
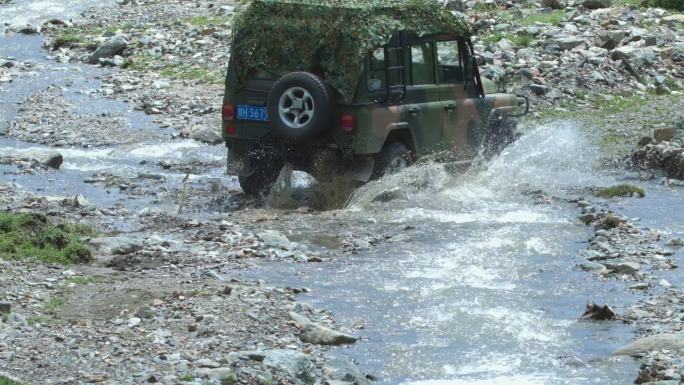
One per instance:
(186, 378)
(677, 5)
(34, 237)
(7, 381)
(620, 190)
(53, 303)
(492, 38)
(553, 18)
(522, 39)
(485, 7)
(81, 280)
(35, 320)
(203, 21)
(175, 71)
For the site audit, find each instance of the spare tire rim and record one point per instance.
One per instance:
(296, 107)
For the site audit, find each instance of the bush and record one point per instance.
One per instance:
(667, 4)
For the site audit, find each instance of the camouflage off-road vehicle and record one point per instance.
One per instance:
(362, 87)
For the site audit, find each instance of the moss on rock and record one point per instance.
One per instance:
(620, 190)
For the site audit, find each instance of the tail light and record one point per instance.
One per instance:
(348, 123)
(228, 112)
(228, 115)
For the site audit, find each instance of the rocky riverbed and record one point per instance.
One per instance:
(115, 126)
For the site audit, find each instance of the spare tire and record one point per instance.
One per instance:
(300, 106)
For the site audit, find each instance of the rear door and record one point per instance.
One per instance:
(459, 103)
(422, 103)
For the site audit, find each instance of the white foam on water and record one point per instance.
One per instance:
(501, 380)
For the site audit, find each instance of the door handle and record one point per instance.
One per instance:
(450, 107)
(413, 110)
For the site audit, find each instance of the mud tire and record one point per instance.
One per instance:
(262, 178)
(322, 110)
(394, 157)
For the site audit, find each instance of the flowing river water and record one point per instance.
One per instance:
(475, 282)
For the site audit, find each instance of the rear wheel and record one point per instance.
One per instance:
(394, 157)
(262, 178)
(502, 133)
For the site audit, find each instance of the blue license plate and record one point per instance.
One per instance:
(249, 112)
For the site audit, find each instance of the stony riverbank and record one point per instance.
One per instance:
(161, 306)
(621, 250)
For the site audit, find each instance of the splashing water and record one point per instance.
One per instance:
(479, 287)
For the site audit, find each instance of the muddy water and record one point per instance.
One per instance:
(477, 283)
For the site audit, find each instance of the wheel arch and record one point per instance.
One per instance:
(403, 136)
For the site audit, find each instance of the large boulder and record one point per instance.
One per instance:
(44, 157)
(111, 47)
(291, 364)
(637, 56)
(673, 20)
(671, 342)
(318, 334)
(555, 4)
(116, 245)
(343, 372)
(205, 134)
(596, 4)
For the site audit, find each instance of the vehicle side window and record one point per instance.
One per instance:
(422, 64)
(449, 68)
(376, 71)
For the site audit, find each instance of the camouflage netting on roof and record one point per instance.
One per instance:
(331, 37)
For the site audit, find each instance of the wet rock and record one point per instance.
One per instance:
(205, 134)
(599, 313)
(274, 239)
(676, 242)
(666, 134)
(593, 267)
(320, 335)
(116, 245)
(673, 342)
(292, 364)
(623, 267)
(644, 141)
(47, 158)
(110, 48)
(26, 29)
(343, 372)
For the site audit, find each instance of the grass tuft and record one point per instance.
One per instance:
(553, 18)
(620, 190)
(523, 39)
(34, 237)
(7, 381)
